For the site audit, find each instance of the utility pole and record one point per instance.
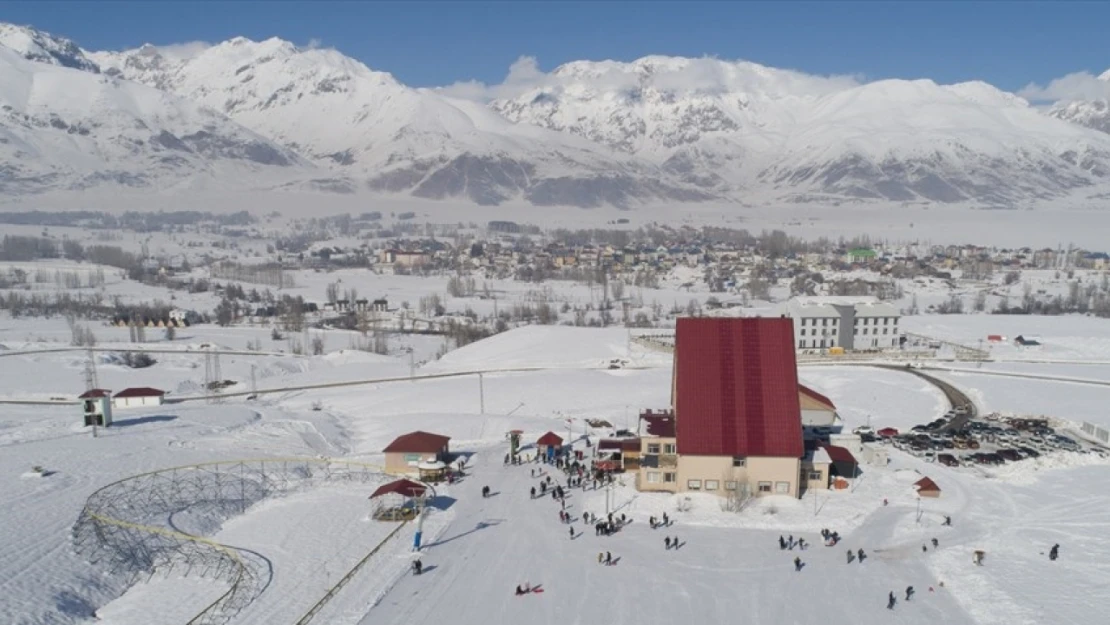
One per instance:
(254, 381)
(412, 364)
(482, 393)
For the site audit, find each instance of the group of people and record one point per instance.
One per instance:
(790, 543)
(891, 599)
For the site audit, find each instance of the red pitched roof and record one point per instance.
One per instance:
(736, 387)
(659, 425)
(926, 485)
(96, 392)
(140, 391)
(885, 432)
(551, 439)
(839, 454)
(812, 394)
(418, 442)
(408, 488)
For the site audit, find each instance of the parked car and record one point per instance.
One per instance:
(947, 460)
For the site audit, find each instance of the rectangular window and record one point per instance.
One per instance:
(782, 487)
(668, 448)
(824, 322)
(884, 330)
(764, 487)
(693, 484)
(412, 458)
(739, 461)
(653, 448)
(801, 344)
(815, 475)
(712, 484)
(730, 485)
(670, 478)
(653, 477)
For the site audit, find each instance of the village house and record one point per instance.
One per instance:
(737, 414)
(138, 397)
(406, 452)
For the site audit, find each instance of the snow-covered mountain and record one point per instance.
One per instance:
(730, 126)
(586, 134)
(366, 125)
(64, 128)
(35, 45)
(1090, 113)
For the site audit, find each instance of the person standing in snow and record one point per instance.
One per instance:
(802, 544)
(891, 601)
(651, 522)
(861, 556)
(608, 558)
(948, 521)
(924, 549)
(667, 542)
(849, 556)
(936, 543)
(572, 533)
(533, 491)
(666, 521)
(909, 592)
(782, 543)
(790, 542)
(1054, 552)
(797, 563)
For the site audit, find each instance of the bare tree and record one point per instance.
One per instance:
(318, 344)
(616, 289)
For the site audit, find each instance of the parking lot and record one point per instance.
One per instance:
(961, 439)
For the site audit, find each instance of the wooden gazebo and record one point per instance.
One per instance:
(398, 501)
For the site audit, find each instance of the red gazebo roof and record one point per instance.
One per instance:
(418, 443)
(551, 439)
(96, 392)
(407, 488)
(926, 485)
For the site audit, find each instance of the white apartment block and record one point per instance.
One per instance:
(852, 323)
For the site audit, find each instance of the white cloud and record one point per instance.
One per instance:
(706, 74)
(1076, 86)
(313, 44)
(183, 51)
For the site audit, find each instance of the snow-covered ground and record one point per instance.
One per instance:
(479, 549)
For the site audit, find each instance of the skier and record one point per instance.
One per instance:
(782, 543)
(1054, 552)
(533, 492)
(674, 541)
(802, 544)
(891, 601)
(948, 520)
(797, 563)
(519, 590)
(651, 522)
(936, 543)
(666, 521)
(909, 592)
(667, 542)
(417, 567)
(924, 549)
(861, 556)
(849, 556)
(608, 558)
(790, 542)
(572, 533)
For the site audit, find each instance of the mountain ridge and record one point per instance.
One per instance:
(657, 129)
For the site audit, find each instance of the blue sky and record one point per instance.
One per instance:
(1008, 44)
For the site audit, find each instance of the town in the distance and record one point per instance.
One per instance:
(376, 417)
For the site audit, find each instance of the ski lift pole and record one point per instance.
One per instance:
(419, 530)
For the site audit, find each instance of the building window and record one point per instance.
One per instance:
(824, 322)
(412, 458)
(670, 478)
(801, 344)
(668, 448)
(653, 477)
(813, 475)
(712, 484)
(693, 484)
(653, 448)
(764, 487)
(782, 487)
(730, 485)
(884, 330)
(739, 461)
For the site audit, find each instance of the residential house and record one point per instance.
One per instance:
(407, 451)
(138, 397)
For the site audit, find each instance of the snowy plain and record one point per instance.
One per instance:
(478, 550)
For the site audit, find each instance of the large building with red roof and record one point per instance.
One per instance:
(736, 416)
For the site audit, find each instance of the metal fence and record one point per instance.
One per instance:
(127, 526)
(1097, 432)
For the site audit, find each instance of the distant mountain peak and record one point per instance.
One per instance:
(42, 47)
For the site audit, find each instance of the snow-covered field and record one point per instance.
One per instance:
(478, 550)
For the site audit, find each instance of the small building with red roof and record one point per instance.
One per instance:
(736, 406)
(96, 404)
(926, 487)
(398, 501)
(658, 467)
(817, 409)
(137, 397)
(407, 451)
(549, 445)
